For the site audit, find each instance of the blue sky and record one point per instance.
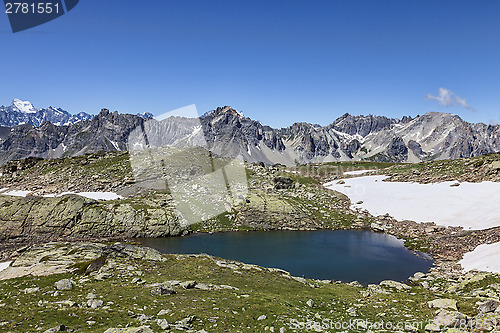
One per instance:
(279, 62)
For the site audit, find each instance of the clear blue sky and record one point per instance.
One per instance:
(278, 61)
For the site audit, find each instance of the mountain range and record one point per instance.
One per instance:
(54, 132)
(23, 112)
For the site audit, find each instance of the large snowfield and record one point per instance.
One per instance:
(473, 206)
(470, 205)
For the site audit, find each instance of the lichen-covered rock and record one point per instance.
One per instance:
(56, 258)
(443, 303)
(283, 183)
(447, 318)
(488, 306)
(64, 284)
(72, 216)
(394, 284)
(142, 329)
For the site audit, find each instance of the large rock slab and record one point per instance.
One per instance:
(73, 216)
(56, 258)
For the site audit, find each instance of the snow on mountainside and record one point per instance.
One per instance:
(23, 106)
(227, 132)
(145, 115)
(23, 112)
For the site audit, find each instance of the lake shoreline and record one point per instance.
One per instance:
(345, 255)
(445, 245)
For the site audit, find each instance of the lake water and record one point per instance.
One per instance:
(346, 255)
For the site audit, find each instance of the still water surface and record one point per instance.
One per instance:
(345, 255)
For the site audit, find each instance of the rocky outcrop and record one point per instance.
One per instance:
(56, 258)
(478, 169)
(281, 183)
(71, 216)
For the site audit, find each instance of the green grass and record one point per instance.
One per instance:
(281, 299)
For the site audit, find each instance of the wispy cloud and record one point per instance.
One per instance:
(446, 97)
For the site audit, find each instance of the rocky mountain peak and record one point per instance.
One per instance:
(23, 112)
(104, 112)
(224, 110)
(146, 115)
(23, 106)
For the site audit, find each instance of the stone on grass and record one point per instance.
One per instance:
(352, 312)
(188, 284)
(488, 306)
(94, 303)
(163, 290)
(141, 329)
(163, 312)
(449, 318)
(31, 290)
(443, 303)
(202, 286)
(59, 328)
(355, 284)
(64, 284)
(163, 323)
(394, 284)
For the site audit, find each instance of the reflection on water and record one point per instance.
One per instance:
(345, 255)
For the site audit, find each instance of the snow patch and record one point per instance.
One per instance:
(91, 195)
(357, 172)
(115, 144)
(485, 257)
(4, 265)
(470, 205)
(17, 193)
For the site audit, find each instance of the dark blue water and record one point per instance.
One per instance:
(345, 255)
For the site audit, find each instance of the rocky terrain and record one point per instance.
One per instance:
(225, 131)
(279, 198)
(118, 287)
(66, 285)
(273, 202)
(478, 169)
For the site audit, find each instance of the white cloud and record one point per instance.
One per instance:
(446, 97)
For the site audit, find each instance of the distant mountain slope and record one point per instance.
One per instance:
(428, 137)
(227, 132)
(21, 112)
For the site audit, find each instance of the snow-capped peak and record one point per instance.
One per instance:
(23, 112)
(24, 106)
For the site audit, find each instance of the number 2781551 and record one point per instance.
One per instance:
(31, 8)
